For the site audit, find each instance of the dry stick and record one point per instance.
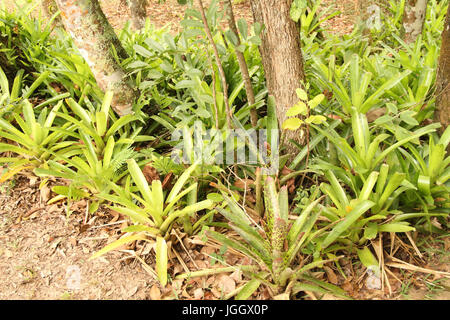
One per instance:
(219, 64)
(243, 66)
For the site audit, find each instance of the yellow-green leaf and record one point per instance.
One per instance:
(116, 244)
(248, 289)
(316, 101)
(316, 119)
(298, 108)
(292, 124)
(301, 94)
(161, 260)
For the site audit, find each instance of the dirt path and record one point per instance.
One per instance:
(44, 255)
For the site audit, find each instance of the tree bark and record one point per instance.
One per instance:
(138, 10)
(281, 57)
(442, 113)
(91, 32)
(413, 19)
(243, 66)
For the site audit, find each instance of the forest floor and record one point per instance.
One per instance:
(44, 251)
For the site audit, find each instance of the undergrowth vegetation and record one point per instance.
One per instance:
(373, 163)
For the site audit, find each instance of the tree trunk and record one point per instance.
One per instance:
(442, 113)
(138, 10)
(413, 19)
(243, 66)
(282, 58)
(91, 32)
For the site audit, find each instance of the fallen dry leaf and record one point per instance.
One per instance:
(331, 275)
(45, 194)
(373, 115)
(285, 171)
(167, 182)
(198, 294)
(283, 296)
(150, 173)
(244, 183)
(226, 284)
(155, 293)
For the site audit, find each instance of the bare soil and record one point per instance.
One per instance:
(40, 245)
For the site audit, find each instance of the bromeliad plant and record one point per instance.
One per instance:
(88, 173)
(11, 99)
(36, 139)
(428, 168)
(363, 217)
(356, 92)
(98, 124)
(152, 211)
(366, 154)
(275, 244)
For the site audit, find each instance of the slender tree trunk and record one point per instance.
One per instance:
(138, 13)
(218, 62)
(281, 56)
(413, 19)
(442, 113)
(85, 21)
(243, 66)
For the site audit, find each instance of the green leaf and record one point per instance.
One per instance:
(406, 117)
(316, 101)
(117, 244)
(283, 203)
(181, 181)
(316, 119)
(298, 108)
(161, 260)
(371, 231)
(232, 37)
(348, 221)
(248, 289)
(294, 231)
(139, 180)
(272, 120)
(235, 245)
(216, 197)
(301, 94)
(292, 124)
(79, 111)
(134, 213)
(243, 27)
(366, 191)
(367, 258)
(370, 102)
(141, 228)
(395, 227)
